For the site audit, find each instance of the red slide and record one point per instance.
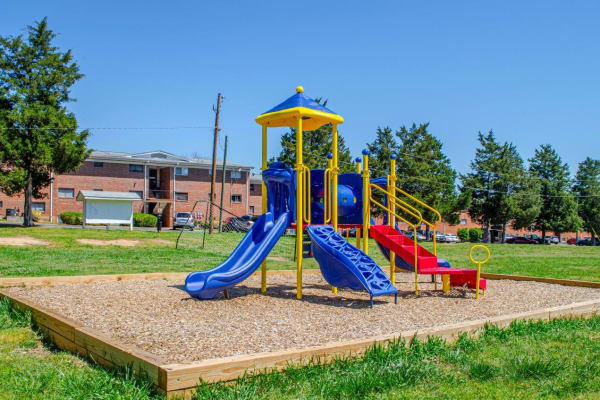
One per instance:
(404, 248)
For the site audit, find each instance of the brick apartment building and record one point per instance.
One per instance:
(163, 181)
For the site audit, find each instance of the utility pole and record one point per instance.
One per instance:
(223, 185)
(214, 163)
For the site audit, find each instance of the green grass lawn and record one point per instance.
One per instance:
(559, 359)
(554, 360)
(65, 256)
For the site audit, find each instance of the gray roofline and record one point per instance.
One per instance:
(127, 158)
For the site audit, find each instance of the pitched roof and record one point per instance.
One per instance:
(161, 157)
(102, 195)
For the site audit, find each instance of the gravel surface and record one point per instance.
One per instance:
(160, 317)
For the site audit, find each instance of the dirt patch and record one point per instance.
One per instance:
(160, 317)
(275, 258)
(115, 242)
(22, 241)
(161, 242)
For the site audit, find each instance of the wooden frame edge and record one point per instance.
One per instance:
(182, 379)
(69, 335)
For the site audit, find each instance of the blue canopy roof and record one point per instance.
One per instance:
(300, 100)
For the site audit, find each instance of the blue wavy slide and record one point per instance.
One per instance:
(343, 265)
(244, 260)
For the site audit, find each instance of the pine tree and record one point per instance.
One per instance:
(316, 144)
(425, 172)
(587, 193)
(502, 190)
(559, 209)
(38, 135)
(380, 151)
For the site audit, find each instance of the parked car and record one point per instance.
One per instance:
(537, 238)
(587, 242)
(451, 238)
(572, 241)
(520, 240)
(183, 220)
(236, 224)
(419, 236)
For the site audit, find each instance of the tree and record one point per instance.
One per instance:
(380, 150)
(559, 208)
(315, 145)
(503, 191)
(38, 136)
(587, 193)
(425, 172)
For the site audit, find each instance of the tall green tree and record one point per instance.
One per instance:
(559, 208)
(587, 194)
(38, 135)
(380, 151)
(315, 144)
(502, 189)
(425, 172)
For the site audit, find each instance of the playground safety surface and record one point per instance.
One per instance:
(158, 316)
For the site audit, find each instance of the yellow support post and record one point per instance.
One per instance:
(327, 200)
(263, 267)
(366, 201)
(478, 263)
(391, 217)
(357, 234)
(299, 207)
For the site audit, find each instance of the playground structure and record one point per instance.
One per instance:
(322, 201)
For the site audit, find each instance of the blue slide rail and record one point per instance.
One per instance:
(258, 242)
(343, 265)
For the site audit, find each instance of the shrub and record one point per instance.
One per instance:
(71, 218)
(145, 220)
(36, 215)
(475, 235)
(463, 234)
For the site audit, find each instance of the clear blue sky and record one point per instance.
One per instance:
(530, 70)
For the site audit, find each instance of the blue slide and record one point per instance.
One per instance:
(343, 265)
(245, 259)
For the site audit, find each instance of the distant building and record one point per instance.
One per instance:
(164, 181)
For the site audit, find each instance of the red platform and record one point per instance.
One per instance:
(404, 247)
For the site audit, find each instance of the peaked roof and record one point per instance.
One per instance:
(313, 114)
(101, 195)
(160, 157)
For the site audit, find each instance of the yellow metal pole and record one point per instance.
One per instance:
(416, 262)
(299, 207)
(334, 180)
(263, 267)
(357, 234)
(328, 202)
(391, 217)
(366, 201)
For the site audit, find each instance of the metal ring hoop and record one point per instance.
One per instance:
(479, 246)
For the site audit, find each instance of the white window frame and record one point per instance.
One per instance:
(61, 195)
(181, 171)
(236, 195)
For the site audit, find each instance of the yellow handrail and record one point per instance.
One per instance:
(326, 195)
(432, 225)
(398, 203)
(479, 263)
(392, 199)
(306, 197)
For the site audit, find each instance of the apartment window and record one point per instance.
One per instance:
(98, 190)
(252, 187)
(251, 210)
(138, 192)
(179, 171)
(236, 198)
(39, 205)
(236, 174)
(463, 221)
(66, 193)
(1, 204)
(136, 168)
(98, 164)
(181, 196)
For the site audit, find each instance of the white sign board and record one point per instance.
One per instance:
(107, 212)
